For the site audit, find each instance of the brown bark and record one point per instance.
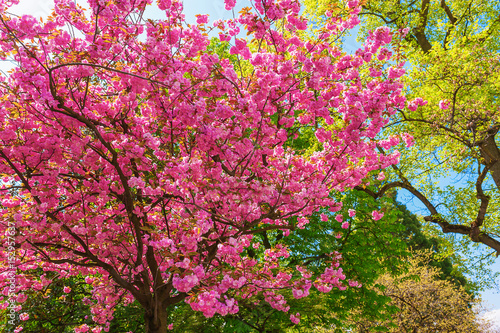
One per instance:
(491, 155)
(473, 230)
(156, 315)
(156, 320)
(419, 31)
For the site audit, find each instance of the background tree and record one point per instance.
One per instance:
(134, 156)
(425, 302)
(453, 170)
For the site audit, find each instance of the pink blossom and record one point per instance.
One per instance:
(171, 326)
(229, 4)
(351, 212)
(395, 73)
(374, 72)
(444, 104)
(21, 298)
(301, 222)
(353, 3)
(345, 225)
(201, 19)
(24, 316)
(408, 139)
(377, 215)
(67, 289)
(381, 175)
(324, 288)
(354, 284)
(295, 318)
(224, 37)
(298, 293)
(186, 283)
(82, 328)
(412, 105)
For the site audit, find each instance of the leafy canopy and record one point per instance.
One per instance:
(452, 48)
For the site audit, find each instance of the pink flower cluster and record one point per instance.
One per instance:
(413, 104)
(377, 215)
(444, 104)
(330, 278)
(185, 284)
(295, 318)
(210, 303)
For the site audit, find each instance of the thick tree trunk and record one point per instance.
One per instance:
(156, 320)
(491, 155)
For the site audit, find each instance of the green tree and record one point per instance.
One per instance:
(454, 169)
(425, 302)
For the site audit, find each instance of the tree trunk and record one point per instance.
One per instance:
(491, 155)
(156, 320)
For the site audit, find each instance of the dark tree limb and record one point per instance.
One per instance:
(472, 230)
(491, 155)
(419, 31)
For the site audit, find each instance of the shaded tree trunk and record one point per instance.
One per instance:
(156, 320)
(491, 155)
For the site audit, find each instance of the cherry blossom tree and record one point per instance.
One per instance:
(135, 154)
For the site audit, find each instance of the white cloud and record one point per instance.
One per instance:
(493, 317)
(37, 8)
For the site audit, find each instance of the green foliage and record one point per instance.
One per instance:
(221, 48)
(419, 238)
(368, 247)
(52, 310)
(128, 318)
